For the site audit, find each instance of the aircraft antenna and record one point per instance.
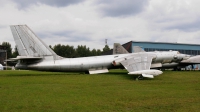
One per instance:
(106, 41)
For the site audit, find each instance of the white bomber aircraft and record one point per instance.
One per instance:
(34, 54)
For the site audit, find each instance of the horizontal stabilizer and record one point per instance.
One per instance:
(94, 71)
(147, 75)
(25, 58)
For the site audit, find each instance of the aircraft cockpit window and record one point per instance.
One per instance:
(115, 56)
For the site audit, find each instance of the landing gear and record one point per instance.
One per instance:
(177, 69)
(140, 77)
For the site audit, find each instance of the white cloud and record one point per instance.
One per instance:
(82, 23)
(121, 8)
(170, 14)
(23, 4)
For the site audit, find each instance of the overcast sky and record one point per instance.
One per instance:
(90, 22)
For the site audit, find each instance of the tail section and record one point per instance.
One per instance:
(28, 44)
(119, 49)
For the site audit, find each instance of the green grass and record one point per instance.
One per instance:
(115, 91)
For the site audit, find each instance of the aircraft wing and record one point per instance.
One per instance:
(192, 60)
(136, 61)
(138, 64)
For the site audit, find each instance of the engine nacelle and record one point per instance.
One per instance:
(180, 57)
(168, 57)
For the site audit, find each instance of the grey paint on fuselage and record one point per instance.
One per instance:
(72, 64)
(87, 63)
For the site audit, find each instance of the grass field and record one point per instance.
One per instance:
(115, 91)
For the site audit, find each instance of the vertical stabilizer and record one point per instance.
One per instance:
(119, 49)
(28, 44)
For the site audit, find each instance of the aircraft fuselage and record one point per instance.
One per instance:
(92, 63)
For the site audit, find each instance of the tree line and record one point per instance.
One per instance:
(62, 50)
(71, 52)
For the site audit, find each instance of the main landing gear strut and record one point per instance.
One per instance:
(140, 77)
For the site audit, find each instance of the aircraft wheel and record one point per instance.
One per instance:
(140, 77)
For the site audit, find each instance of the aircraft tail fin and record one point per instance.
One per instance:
(137, 49)
(119, 49)
(28, 44)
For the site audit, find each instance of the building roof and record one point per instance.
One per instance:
(176, 43)
(166, 45)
